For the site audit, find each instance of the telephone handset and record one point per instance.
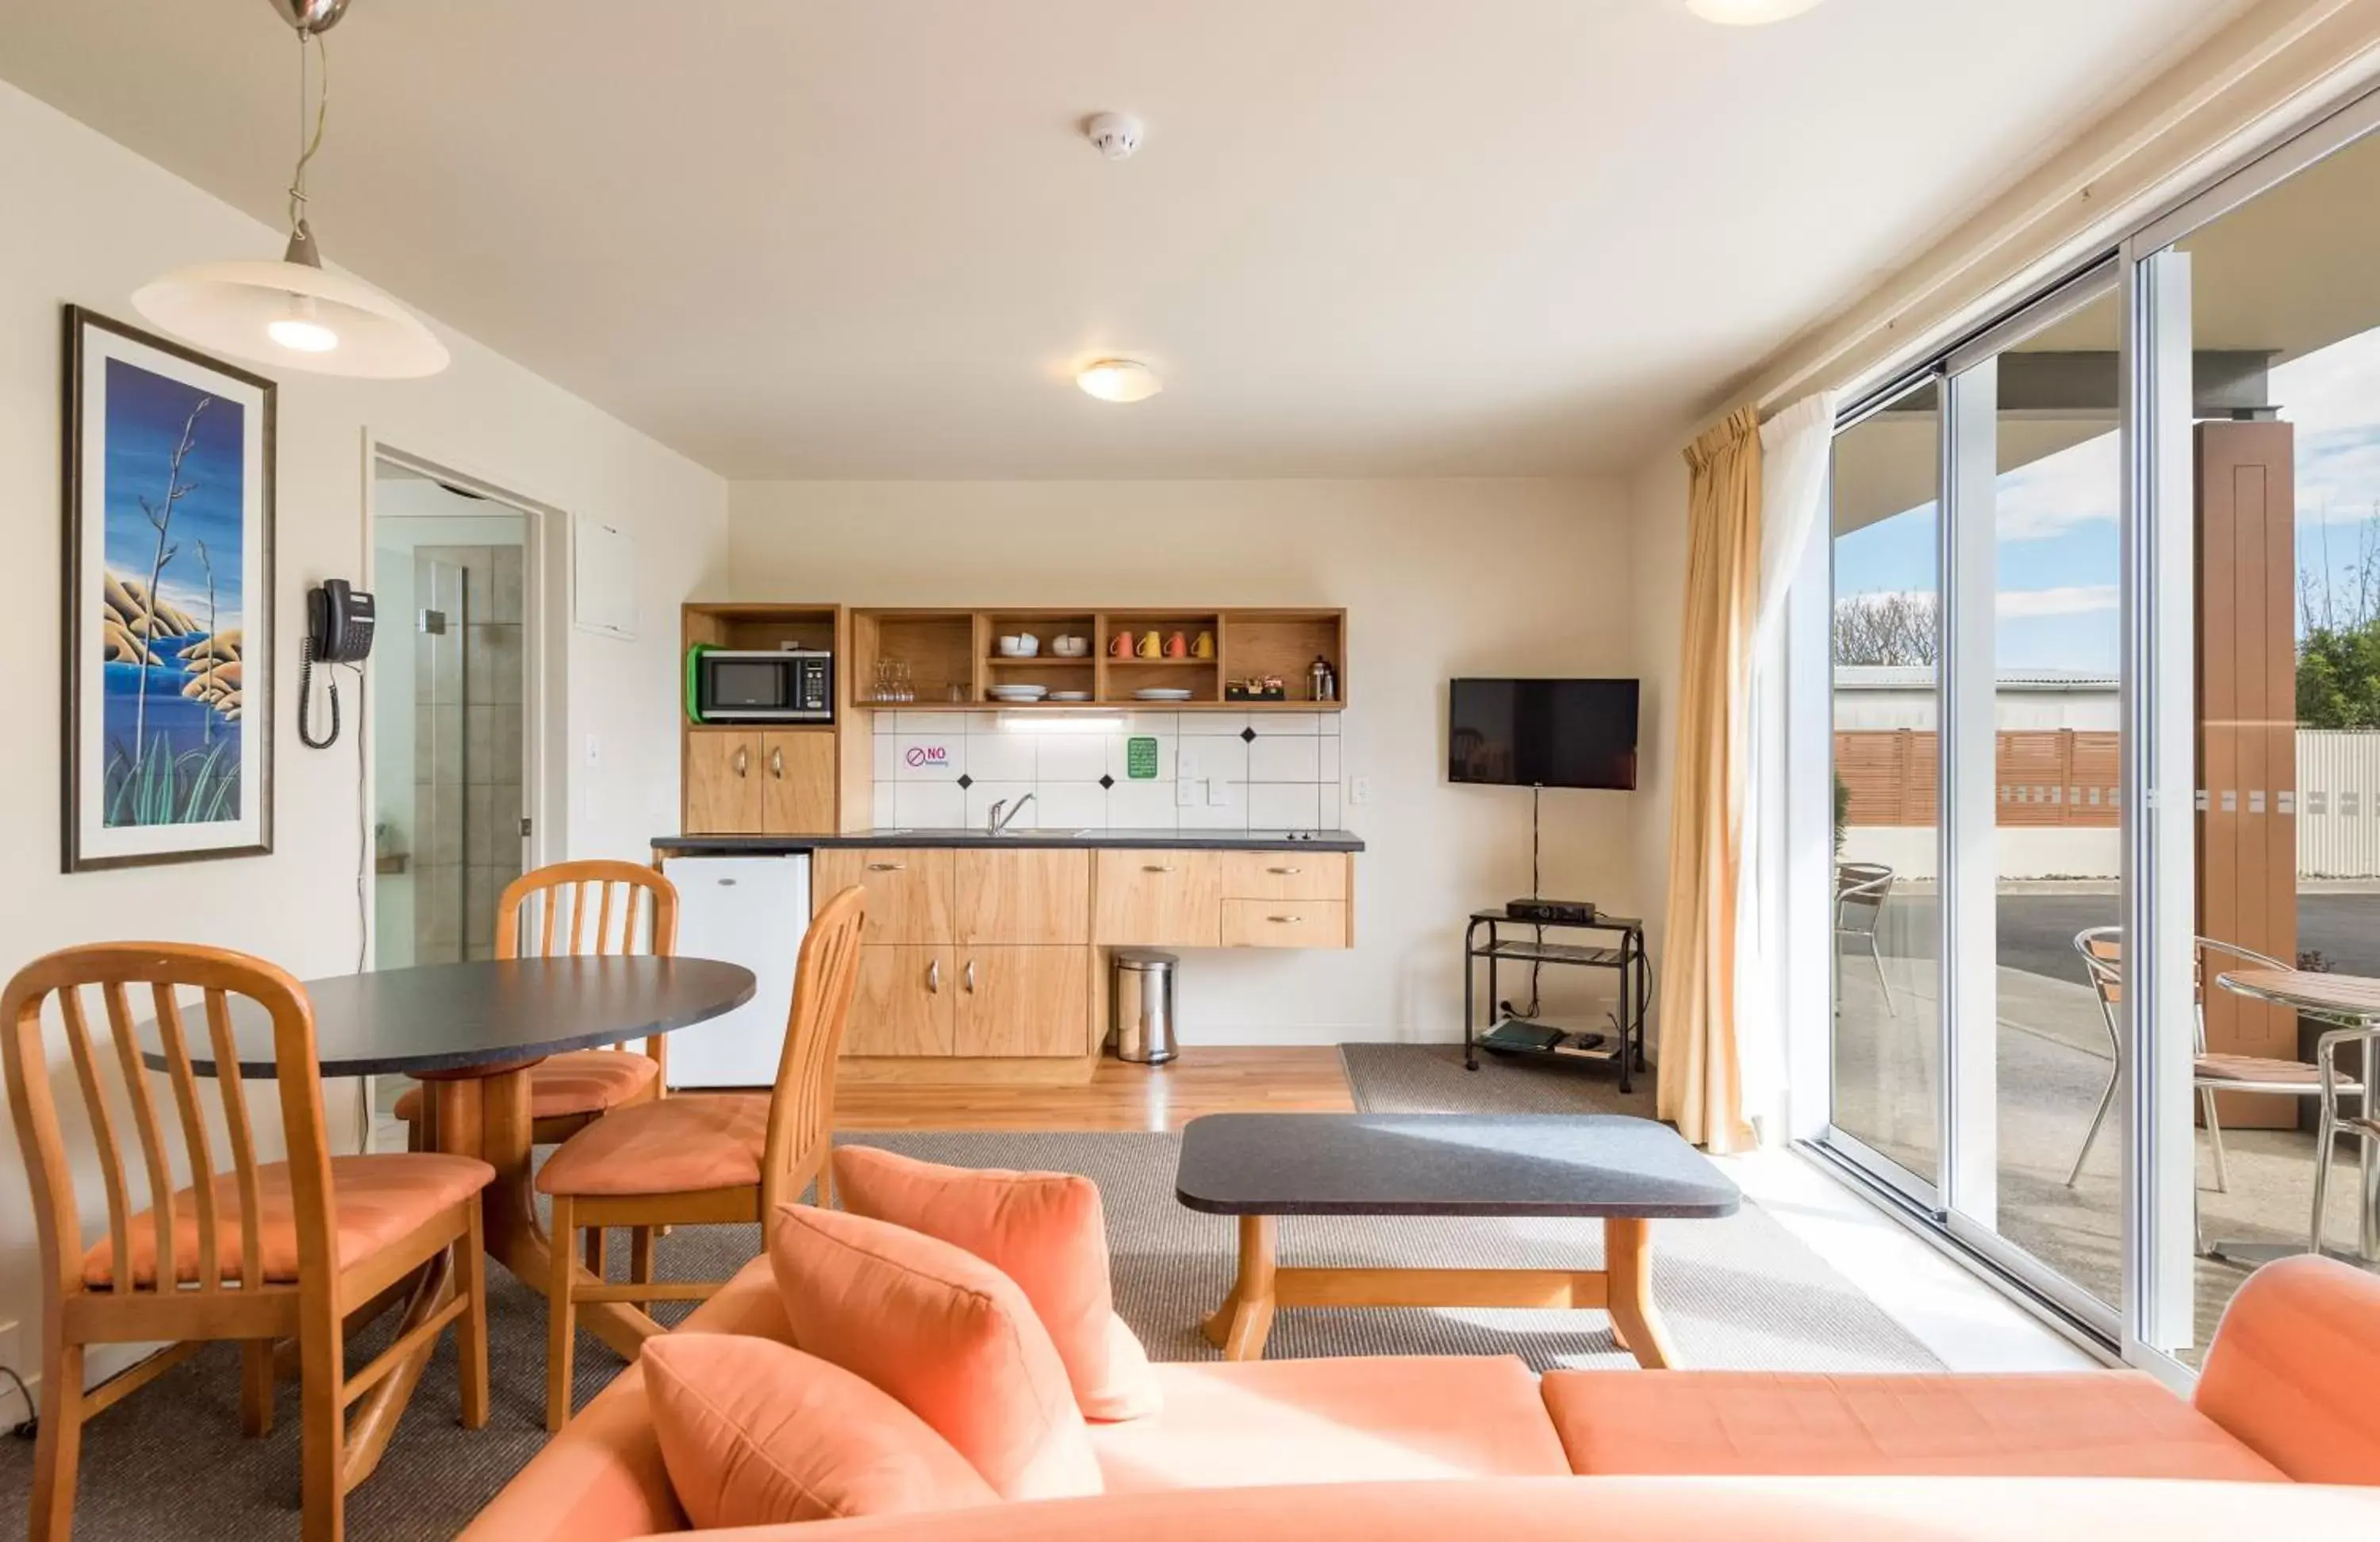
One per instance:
(339, 619)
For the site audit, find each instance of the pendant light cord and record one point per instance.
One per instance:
(308, 145)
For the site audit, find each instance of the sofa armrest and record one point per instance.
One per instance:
(601, 1479)
(2294, 1370)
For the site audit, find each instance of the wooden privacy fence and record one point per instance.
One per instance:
(2058, 776)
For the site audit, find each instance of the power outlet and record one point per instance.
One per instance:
(1218, 792)
(1185, 792)
(1359, 790)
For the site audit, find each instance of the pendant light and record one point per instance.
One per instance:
(296, 313)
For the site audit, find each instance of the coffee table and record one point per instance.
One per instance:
(1627, 1172)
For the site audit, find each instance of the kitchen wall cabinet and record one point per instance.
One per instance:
(798, 781)
(722, 782)
(1024, 1001)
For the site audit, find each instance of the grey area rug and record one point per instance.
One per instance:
(168, 1463)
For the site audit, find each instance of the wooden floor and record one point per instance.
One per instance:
(1120, 1096)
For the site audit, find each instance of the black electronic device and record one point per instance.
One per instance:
(339, 623)
(1543, 733)
(1551, 912)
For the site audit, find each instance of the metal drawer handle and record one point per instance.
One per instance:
(1286, 872)
(1167, 869)
(743, 760)
(970, 976)
(1287, 919)
(777, 764)
(888, 867)
(934, 978)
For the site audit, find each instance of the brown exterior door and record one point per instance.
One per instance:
(2247, 731)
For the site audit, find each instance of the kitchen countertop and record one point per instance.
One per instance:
(1139, 840)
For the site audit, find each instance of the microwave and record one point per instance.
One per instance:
(792, 685)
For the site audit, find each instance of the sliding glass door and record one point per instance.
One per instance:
(2105, 728)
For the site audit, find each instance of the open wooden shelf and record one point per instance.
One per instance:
(946, 648)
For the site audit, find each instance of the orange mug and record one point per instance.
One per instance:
(1177, 647)
(1122, 647)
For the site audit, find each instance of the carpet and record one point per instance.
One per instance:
(169, 1462)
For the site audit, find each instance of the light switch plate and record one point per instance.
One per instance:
(1185, 792)
(1359, 790)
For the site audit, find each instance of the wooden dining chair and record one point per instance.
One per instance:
(260, 1252)
(704, 1158)
(579, 908)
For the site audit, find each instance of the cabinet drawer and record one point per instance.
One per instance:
(1159, 899)
(1284, 875)
(1284, 923)
(1024, 896)
(909, 891)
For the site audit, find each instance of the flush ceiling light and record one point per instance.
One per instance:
(293, 312)
(1120, 379)
(1748, 13)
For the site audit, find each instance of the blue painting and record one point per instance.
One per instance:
(171, 539)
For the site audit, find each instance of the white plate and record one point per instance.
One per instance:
(1019, 693)
(1070, 696)
(1162, 693)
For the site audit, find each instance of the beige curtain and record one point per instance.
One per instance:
(1701, 1087)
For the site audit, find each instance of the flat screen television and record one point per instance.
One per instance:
(1543, 733)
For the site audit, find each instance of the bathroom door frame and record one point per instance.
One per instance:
(544, 651)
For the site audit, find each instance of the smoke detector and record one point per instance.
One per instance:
(1113, 135)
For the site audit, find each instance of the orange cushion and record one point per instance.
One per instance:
(756, 1432)
(582, 1081)
(1045, 1230)
(674, 1146)
(2091, 1424)
(2293, 1368)
(944, 1332)
(376, 1201)
(1254, 1422)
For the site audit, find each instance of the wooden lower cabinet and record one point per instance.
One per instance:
(1159, 899)
(906, 1002)
(1024, 1001)
(909, 890)
(1285, 924)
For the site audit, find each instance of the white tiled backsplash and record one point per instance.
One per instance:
(1215, 771)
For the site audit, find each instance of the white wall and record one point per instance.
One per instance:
(88, 222)
(1440, 579)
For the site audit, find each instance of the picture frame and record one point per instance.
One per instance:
(166, 616)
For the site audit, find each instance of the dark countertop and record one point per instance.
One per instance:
(1132, 839)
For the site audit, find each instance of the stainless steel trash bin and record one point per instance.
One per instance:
(1140, 1005)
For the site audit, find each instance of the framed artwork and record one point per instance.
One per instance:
(168, 604)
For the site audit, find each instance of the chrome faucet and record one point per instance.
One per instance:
(1003, 816)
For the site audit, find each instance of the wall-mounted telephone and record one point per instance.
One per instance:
(339, 619)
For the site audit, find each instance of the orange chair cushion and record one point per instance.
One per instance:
(1046, 1231)
(1249, 1423)
(583, 1081)
(2292, 1367)
(948, 1335)
(673, 1146)
(376, 1201)
(2091, 1424)
(756, 1433)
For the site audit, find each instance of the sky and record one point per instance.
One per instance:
(145, 415)
(2056, 516)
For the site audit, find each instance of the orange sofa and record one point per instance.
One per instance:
(2290, 1396)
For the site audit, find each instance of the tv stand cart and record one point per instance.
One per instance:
(1499, 946)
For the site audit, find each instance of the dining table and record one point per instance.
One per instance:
(470, 1033)
(2350, 1004)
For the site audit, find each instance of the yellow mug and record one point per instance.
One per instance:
(1152, 646)
(1205, 647)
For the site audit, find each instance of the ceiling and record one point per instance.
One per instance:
(1401, 237)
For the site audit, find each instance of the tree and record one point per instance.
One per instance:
(1888, 629)
(2338, 641)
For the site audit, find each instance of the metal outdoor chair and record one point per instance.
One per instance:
(1860, 889)
(2102, 950)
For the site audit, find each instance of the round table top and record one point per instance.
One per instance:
(452, 1017)
(2353, 996)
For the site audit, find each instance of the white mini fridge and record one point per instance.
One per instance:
(747, 910)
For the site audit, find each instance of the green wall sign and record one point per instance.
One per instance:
(1140, 759)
